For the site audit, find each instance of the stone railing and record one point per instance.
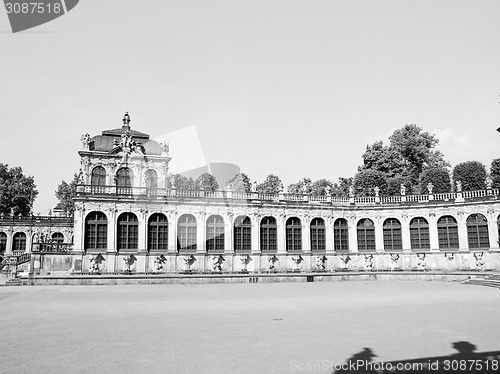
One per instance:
(178, 194)
(44, 220)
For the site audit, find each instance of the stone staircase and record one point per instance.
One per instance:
(488, 281)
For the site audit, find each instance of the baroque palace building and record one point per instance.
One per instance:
(128, 219)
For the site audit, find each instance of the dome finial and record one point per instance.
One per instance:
(126, 120)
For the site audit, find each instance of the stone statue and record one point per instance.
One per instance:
(245, 260)
(351, 191)
(403, 189)
(271, 262)
(394, 261)
(368, 265)
(95, 261)
(321, 262)
(217, 263)
(159, 262)
(297, 261)
(328, 191)
(85, 140)
(254, 186)
(489, 183)
(377, 191)
(165, 147)
(188, 262)
(129, 262)
(421, 261)
(430, 187)
(479, 261)
(459, 186)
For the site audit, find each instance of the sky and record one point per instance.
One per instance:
(289, 87)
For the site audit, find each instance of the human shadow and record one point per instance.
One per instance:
(465, 360)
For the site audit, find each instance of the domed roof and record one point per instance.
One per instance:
(107, 141)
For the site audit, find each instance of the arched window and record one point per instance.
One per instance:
(318, 239)
(186, 233)
(293, 235)
(3, 242)
(19, 243)
(366, 235)
(215, 234)
(242, 234)
(157, 232)
(447, 232)
(341, 235)
(96, 231)
(98, 176)
(124, 177)
(151, 178)
(128, 231)
(58, 237)
(268, 235)
(477, 231)
(419, 233)
(392, 235)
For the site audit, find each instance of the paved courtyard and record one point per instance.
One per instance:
(239, 328)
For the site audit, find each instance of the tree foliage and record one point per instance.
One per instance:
(180, 182)
(495, 173)
(365, 182)
(439, 177)
(66, 193)
(409, 153)
(272, 184)
(17, 191)
(207, 182)
(472, 174)
(240, 183)
(302, 186)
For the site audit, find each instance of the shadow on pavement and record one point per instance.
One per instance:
(466, 360)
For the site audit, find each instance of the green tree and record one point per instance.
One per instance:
(272, 184)
(342, 188)
(240, 183)
(66, 193)
(409, 153)
(439, 177)
(302, 186)
(495, 173)
(472, 174)
(207, 182)
(321, 186)
(17, 191)
(394, 185)
(180, 182)
(365, 182)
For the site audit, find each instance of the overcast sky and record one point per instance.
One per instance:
(295, 88)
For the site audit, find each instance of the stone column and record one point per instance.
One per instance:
(142, 246)
(228, 234)
(493, 230)
(329, 235)
(112, 244)
(79, 227)
(111, 251)
(379, 234)
(433, 232)
(463, 241)
(405, 233)
(172, 232)
(255, 218)
(281, 233)
(10, 241)
(306, 234)
(200, 233)
(353, 234)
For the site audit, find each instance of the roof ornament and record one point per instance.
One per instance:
(126, 120)
(165, 147)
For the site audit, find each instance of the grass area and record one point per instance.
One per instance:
(238, 328)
